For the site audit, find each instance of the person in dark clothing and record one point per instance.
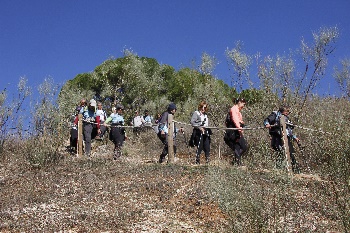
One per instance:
(272, 122)
(163, 131)
(201, 135)
(73, 140)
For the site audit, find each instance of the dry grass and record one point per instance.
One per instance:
(136, 194)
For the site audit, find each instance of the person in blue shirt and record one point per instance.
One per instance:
(117, 132)
(148, 118)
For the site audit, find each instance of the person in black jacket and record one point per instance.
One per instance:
(272, 122)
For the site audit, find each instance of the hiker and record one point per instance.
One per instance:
(147, 118)
(82, 106)
(200, 134)
(155, 128)
(137, 122)
(158, 118)
(117, 132)
(103, 116)
(272, 122)
(91, 122)
(73, 139)
(235, 138)
(163, 131)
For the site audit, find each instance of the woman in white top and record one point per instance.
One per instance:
(103, 116)
(201, 134)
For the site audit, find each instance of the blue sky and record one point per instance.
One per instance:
(61, 39)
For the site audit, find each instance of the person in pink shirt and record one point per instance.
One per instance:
(237, 142)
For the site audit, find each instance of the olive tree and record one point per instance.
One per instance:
(315, 57)
(11, 112)
(342, 76)
(241, 63)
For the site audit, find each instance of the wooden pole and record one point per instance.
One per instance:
(171, 156)
(80, 136)
(285, 142)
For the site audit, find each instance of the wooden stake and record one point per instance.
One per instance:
(170, 139)
(285, 142)
(80, 136)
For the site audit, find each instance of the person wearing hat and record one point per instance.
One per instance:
(90, 122)
(163, 131)
(117, 133)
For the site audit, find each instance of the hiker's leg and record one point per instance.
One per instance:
(199, 149)
(294, 164)
(237, 154)
(243, 144)
(87, 138)
(206, 148)
(103, 130)
(164, 140)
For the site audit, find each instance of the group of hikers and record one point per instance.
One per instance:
(96, 121)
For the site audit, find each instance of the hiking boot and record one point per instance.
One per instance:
(207, 160)
(161, 160)
(117, 153)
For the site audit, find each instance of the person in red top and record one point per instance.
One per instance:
(239, 144)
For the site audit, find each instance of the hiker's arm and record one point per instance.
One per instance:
(196, 121)
(76, 119)
(269, 119)
(97, 119)
(107, 121)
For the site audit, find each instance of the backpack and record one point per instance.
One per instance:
(230, 134)
(274, 120)
(228, 121)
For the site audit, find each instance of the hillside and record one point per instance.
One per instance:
(135, 194)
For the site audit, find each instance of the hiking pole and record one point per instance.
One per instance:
(301, 149)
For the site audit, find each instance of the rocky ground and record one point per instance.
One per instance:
(131, 194)
(99, 194)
